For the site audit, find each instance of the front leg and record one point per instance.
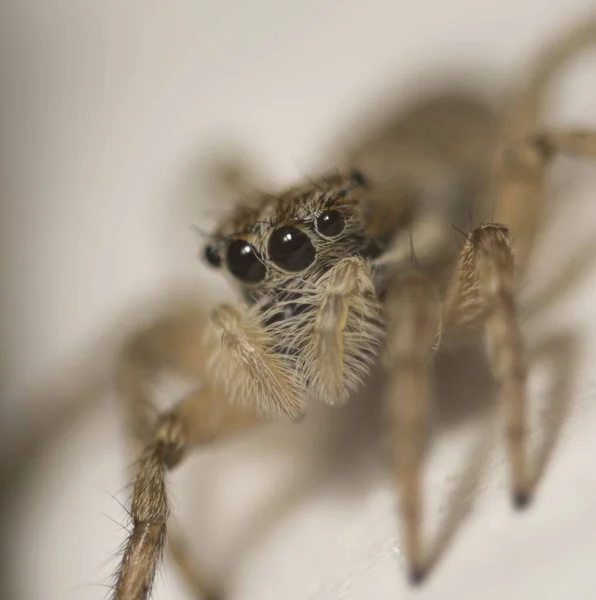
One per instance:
(413, 328)
(172, 343)
(482, 292)
(200, 418)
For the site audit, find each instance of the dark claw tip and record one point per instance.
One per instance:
(417, 576)
(521, 500)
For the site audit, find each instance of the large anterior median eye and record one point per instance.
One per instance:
(291, 249)
(243, 262)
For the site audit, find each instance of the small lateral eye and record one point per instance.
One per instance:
(358, 178)
(291, 249)
(330, 223)
(243, 262)
(212, 256)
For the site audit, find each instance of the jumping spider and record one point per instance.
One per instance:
(329, 282)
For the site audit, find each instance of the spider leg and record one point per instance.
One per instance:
(173, 342)
(520, 193)
(491, 261)
(528, 106)
(495, 256)
(198, 419)
(413, 326)
(516, 194)
(483, 292)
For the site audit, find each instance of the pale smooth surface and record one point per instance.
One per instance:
(109, 106)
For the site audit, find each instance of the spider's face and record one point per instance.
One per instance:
(289, 241)
(298, 260)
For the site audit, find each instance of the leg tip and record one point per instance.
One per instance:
(521, 500)
(417, 576)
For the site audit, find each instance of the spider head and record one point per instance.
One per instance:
(288, 241)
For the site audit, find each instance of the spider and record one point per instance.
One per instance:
(357, 266)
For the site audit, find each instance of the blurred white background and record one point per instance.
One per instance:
(107, 109)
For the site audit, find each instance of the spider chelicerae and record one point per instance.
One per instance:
(358, 264)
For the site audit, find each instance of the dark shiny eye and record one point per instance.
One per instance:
(358, 178)
(330, 223)
(212, 256)
(244, 263)
(291, 249)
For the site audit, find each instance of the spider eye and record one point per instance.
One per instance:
(243, 262)
(330, 223)
(291, 249)
(358, 178)
(212, 256)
